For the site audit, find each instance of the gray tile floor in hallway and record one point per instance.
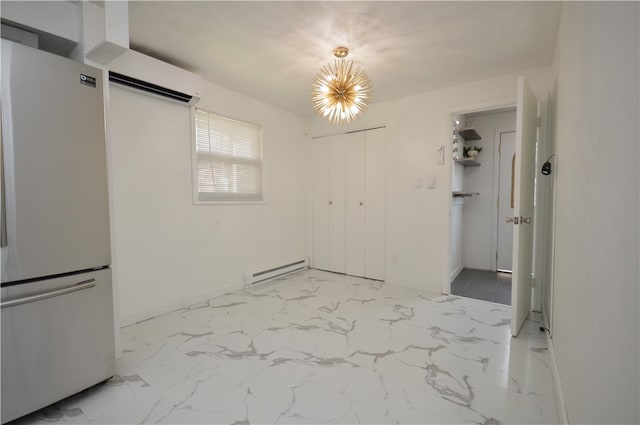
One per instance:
(483, 285)
(318, 347)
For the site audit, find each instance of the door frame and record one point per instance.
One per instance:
(496, 194)
(509, 102)
(545, 218)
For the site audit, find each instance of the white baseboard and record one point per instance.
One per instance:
(456, 272)
(175, 305)
(563, 417)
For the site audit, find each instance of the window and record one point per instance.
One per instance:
(227, 160)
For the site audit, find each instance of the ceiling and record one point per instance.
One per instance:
(272, 50)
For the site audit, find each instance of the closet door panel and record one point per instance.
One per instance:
(337, 204)
(374, 201)
(320, 201)
(355, 204)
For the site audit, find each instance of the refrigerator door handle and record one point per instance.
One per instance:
(85, 284)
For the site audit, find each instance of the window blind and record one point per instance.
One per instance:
(228, 159)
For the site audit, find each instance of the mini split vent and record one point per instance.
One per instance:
(145, 86)
(149, 75)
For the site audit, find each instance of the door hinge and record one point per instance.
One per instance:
(538, 122)
(533, 282)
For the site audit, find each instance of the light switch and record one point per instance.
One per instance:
(440, 156)
(432, 183)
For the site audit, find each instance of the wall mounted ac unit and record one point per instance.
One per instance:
(141, 72)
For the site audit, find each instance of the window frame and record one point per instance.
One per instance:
(226, 199)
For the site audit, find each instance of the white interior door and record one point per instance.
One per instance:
(526, 134)
(507, 149)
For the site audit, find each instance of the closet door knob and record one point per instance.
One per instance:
(330, 202)
(361, 203)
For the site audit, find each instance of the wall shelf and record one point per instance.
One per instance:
(467, 162)
(469, 134)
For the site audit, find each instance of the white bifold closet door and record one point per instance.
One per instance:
(329, 204)
(320, 203)
(374, 220)
(355, 204)
(337, 261)
(348, 204)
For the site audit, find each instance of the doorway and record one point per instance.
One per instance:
(530, 131)
(482, 182)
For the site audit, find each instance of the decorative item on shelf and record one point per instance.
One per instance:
(457, 150)
(458, 143)
(472, 152)
(340, 92)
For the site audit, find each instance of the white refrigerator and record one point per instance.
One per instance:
(56, 297)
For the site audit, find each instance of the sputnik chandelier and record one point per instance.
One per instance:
(339, 92)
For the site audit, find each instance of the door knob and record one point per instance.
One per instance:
(513, 220)
(361, 203)
(525, 220)
(330, 202)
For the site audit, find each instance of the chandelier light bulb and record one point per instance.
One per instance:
(340, 91)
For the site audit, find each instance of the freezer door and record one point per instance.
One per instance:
(54, 173)
(57, 339)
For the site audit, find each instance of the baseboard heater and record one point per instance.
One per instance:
(273, 272)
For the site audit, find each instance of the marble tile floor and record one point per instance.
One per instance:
(318, 347)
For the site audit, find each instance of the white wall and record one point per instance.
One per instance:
(168, 252)
(479, 223)
(417, 221)
(596, 297)
(455, 248)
